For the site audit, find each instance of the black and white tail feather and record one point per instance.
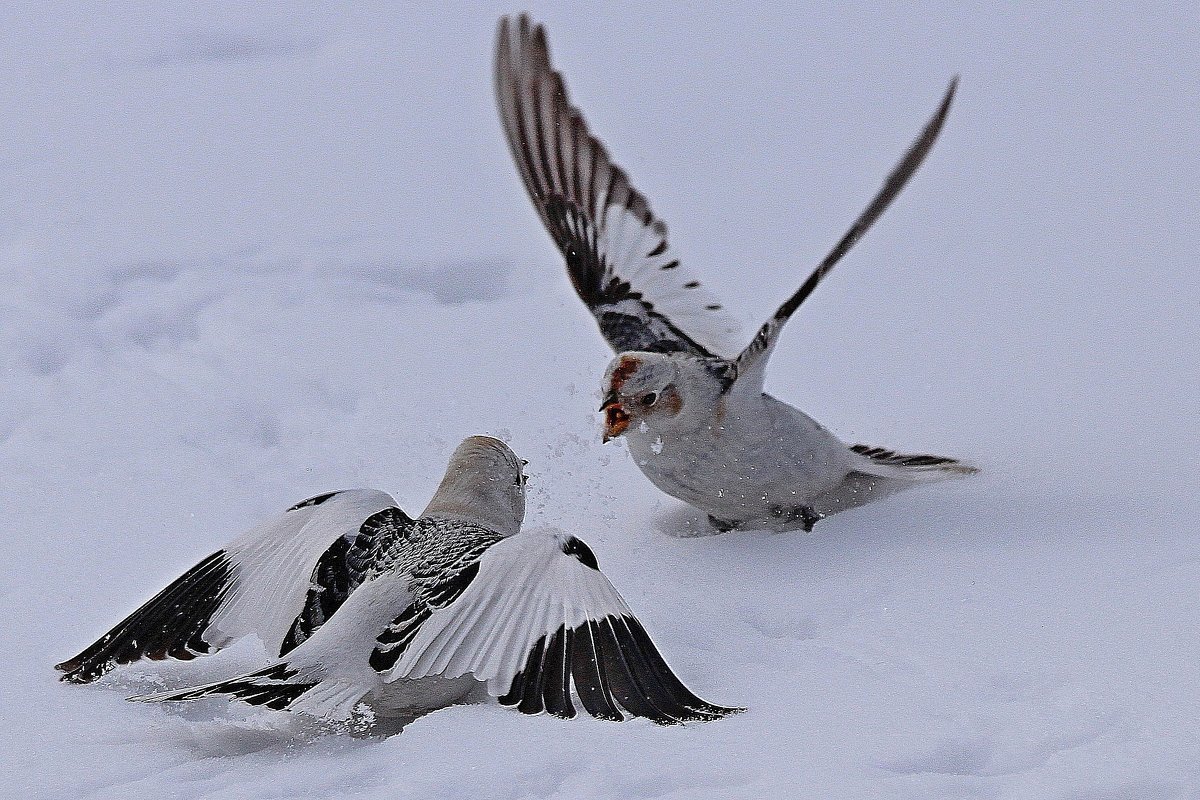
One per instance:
(882, 462)
(534, 620)
(273, 687)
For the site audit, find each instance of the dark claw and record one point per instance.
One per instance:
(722, 525)
(807, 516)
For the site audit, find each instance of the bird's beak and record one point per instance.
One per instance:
(615, 418)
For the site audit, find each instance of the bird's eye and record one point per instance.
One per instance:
(649, 399)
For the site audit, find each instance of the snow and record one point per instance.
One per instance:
(252, 253)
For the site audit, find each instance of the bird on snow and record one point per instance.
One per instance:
(697, 422)
(365, 605)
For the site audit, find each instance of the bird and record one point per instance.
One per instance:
(369, 609)
(696, 419)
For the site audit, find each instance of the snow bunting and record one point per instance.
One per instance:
(697, 422)
(366, 605)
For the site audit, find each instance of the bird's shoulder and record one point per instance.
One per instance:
(707, 369)
(438, 549)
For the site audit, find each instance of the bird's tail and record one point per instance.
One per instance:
(876, 472)
(279, 686)
(883, 463)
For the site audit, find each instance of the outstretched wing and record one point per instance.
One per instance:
(751, 362)
(615, 248)
(279, 581)
(538, 619)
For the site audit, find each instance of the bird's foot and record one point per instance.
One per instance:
(722, 525)
(805, 516)
(809, 517)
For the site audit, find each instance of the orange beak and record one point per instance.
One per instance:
(615, 420)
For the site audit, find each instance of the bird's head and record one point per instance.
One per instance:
(484, 485)
(639, 387)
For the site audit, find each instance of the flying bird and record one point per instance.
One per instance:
(695, 416)
(367, 606)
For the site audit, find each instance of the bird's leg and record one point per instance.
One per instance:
(722, 525)
(807, 516)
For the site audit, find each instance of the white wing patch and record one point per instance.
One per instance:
(273, 565)
(540, 619)
(638, 254)
(615, 248)
(255, 585)
(525, 589)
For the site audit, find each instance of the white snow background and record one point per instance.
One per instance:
(252, 252)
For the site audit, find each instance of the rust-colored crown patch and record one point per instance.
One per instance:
(625, 368)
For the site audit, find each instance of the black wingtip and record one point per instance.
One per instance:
(896, 180)
(169, 625)
(614, 667)
(676, 702)
(934, 127)
(952, 88)
(76, 671)
(641, 679)
(708, 713)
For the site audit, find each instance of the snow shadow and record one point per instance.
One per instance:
(216, 47)
(448, 283)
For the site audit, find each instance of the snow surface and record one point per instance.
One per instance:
(250, 253)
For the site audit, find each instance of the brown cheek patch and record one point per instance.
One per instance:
(719, 416)
(625, 368)
(671, 401)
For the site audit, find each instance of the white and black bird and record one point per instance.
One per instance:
(365, 605)
(696, 418)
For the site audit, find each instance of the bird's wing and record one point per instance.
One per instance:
(615, 248)
(279, 581)
(751, 362)
(536, 618)
(327, 674)
(342, 569)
